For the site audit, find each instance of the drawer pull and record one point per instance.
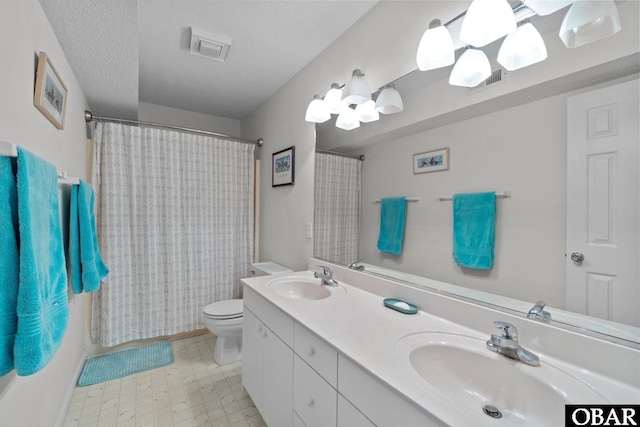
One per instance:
(311, 352)
(310, 402)
(259, 329)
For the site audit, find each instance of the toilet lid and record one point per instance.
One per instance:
(224, 309)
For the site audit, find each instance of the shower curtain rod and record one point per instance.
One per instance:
(360, 157)
(88, 117)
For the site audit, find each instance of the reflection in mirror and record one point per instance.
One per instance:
(337, 207)
(529, 140)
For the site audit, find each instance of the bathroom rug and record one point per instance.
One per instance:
(122, 363)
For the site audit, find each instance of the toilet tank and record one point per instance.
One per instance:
(267, 268)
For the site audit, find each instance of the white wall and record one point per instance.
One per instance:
(498, 151)
(40, 399)
(176, 117)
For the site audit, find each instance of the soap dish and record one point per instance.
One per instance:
(401, 306)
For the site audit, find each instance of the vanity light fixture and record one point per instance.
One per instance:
(389, 101)
(588, 21)
(547, 7)
(356, 91)
(436, 47)
(317, 111)
(522, 48)
(347, 119)
(366, 112)
(471, 69)
(487, 21)
(333, 99)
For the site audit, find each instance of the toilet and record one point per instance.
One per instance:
(224, 318)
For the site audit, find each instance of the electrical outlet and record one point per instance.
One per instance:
(309, 230)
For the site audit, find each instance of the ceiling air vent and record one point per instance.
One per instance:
(209, 45)
(497, 77)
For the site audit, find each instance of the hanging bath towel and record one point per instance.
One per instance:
(393, 214)
(85, 260)
(474, 222)
(8, 264)
(43, 309)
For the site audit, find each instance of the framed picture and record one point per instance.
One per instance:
(51, 94)
(431, 161)
(283, 168)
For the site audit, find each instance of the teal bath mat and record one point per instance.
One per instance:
(125, 362)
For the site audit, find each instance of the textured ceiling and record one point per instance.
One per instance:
(126, 51)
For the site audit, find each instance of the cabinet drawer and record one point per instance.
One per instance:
(317, 353)
(269, 314)
(314, 400)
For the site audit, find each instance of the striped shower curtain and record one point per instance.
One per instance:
(175, 222)
(336, 208)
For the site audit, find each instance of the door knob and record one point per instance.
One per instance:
(577, 257)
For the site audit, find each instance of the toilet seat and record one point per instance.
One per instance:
(224, 310)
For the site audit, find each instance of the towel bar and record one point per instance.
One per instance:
(408, 199)
(11, 150)
(504, 193)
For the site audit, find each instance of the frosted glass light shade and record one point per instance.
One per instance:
(471, 69)
(356, 91)
(486, 21)
(522, 48)
(367, 112)
(333, 99)
(588, 21)
(347, 119)
(317, 111)
(389, 101)
(435, 49)
(546, 7)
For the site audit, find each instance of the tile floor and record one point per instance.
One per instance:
(192, 392)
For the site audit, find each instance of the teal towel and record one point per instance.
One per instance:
(474, 223)
(85, 260)
(43, 309)
(8, 264)
(393, 214)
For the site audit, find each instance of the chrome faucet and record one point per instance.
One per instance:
(326, 276)
(537, 312)
(507, 344)
(355, 266)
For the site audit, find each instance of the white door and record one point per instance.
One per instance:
(603, 203)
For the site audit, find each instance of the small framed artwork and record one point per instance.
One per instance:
(51, 94)
(431, 161)
(283, 168)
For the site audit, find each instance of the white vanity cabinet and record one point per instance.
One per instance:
(296, 379)
(267, 366)
(382, 405)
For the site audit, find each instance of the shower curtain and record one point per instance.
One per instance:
(337, 208)
(175, 222)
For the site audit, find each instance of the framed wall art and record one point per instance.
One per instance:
(50, 95)
(283, 167)
(431, 161)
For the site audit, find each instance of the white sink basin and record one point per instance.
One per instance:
(463, 370)
(303, 288)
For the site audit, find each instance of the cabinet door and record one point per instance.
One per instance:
(277, 391)
(252, 356)
(349, 416)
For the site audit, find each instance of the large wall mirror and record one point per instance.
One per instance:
(527, 141)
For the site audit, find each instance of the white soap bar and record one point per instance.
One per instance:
(402, 305)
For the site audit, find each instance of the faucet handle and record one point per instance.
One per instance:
(508, 330)
(325, 270)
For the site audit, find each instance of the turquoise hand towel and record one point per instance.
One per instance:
(86, 265)
(43, 309)
(393, 214)
(8, 264)
(474, 222)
